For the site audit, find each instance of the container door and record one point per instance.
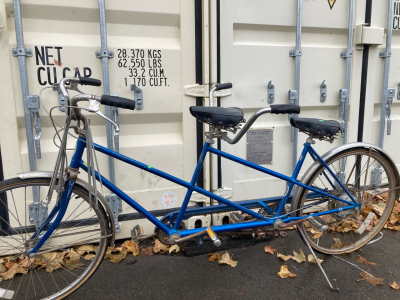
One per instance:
(255, 39)
(154, 47)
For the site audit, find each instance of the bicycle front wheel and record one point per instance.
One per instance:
(369, 178)
(61, 265)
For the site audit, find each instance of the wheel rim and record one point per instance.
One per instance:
(58, 267)
(345, 232)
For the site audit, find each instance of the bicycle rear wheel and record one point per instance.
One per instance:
(349, 229)
(60, 266)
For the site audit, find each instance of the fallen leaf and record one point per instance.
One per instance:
(270, 250)
(395, 286)
(317, 235)
(370, 279)
(214, 256)
(117, 258)
(379, 207)
(299, 257)
(365, 262)
(285, 273)
(147, 251)
(131, 246)
(312, 259)
(284, 257)
(118, 249)
(72, 263)
(160, 247)
(2, 268)
(226, 259)
(53, 260)
(108, 253)
(85, 248)
(174, 248)
(89, 256)
(338, 244)
(14, 269)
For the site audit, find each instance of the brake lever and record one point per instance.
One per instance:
(94, 107)
(73, 86)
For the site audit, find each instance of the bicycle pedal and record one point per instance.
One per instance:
(213, 237)
(136, 232)
(235, 217)
(318, 223)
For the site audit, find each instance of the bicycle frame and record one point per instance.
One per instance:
(77, 162)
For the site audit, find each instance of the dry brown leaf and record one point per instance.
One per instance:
(365, 262)
(394, 218)
(117, 258)
(174, 248)
(299, 257)
(379, 207)
(53, 260)
(370, 279)
(284, 257)
(72, 263)
(85, 248)
(89, 256)
(214, 256)
(395, 286)
(108, 253)
(270, 250)
(2, 268)
(317, 235)
(338, 244)
(285, 273)
(226, 259)
(14, 269)
(160, 247)
(131, 246)
(312, 259)
(147, 251)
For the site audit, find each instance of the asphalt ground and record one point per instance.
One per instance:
(255, 276)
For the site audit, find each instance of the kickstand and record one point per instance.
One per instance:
(319, 265)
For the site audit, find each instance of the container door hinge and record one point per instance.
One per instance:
(343, 94)
(197, 90)
(389, 100)
(271, 92)
(20, 51)
(138, 93)
(34, 105)
(116, 206)
(104, 53)
(293, 97)
(323, 91)
(116, 121)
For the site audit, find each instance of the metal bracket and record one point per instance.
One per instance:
(116, 206)
(385, 54)
(323, 92)
(389, 101)
(138, 93)
(33, 104)
(20, 51)
(271, 92)
(293, 96)
(343, 94)
(341, 175)
(294, 53)
(116, 121)
(348, 54)
(104, 53)
(197, 90)
(37, 213)
(398, 92)
(376, 175)
(61, 99)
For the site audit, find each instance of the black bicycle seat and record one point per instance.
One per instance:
(317, 126)
(228, 117)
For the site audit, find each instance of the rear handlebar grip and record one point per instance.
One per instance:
(89, 81)
(285, 109)
(223, 86)
(118, 102)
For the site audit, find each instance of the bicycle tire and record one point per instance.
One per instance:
(350, 218)
(58, 273)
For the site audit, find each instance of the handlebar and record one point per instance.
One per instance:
(94, 101)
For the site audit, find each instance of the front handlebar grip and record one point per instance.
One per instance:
(118, 102)
(285, 109)
(89, 81)
(223, 86)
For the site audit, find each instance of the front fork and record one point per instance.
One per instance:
(60, 208)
